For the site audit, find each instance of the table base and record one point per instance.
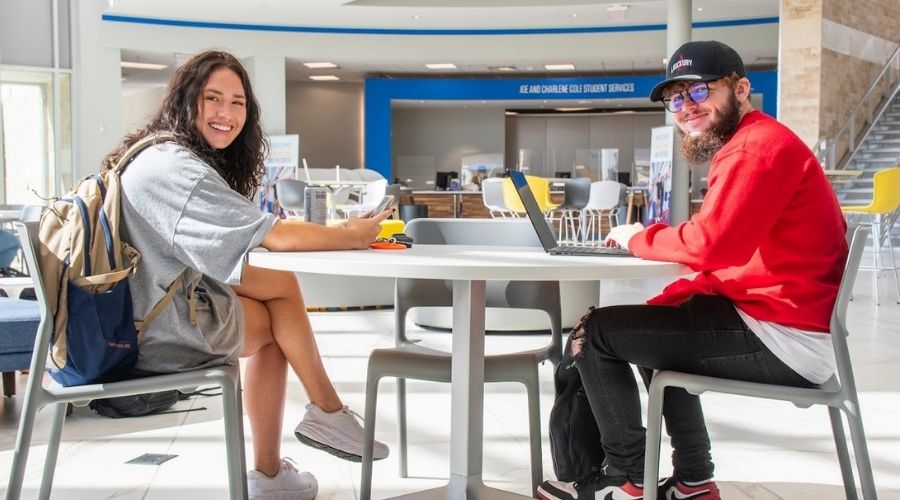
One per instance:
(459, 488)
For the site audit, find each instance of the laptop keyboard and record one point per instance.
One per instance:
(603, 251)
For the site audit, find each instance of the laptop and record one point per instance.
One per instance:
(545, 233)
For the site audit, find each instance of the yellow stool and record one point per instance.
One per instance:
(390, 227)
(882, 211)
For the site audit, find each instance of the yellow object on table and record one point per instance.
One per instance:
(390, 227)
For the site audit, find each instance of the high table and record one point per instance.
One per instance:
(468, 267)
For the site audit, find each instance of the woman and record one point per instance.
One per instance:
(186, 208)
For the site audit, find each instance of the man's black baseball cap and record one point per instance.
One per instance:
(700, 62)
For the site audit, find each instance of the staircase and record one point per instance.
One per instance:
(869, 141)
(879, 150)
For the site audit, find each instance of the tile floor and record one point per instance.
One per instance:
(763, 450)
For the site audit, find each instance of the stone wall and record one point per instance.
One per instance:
(830, 52)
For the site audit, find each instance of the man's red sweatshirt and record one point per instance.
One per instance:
(769, 236)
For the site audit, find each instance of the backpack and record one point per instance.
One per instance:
(150, 403)
(574, 436)
(85, 267)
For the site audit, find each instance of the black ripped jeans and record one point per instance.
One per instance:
(704, 335)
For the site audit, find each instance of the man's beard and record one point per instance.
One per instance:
(700, 148)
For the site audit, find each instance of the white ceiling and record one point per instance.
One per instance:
(351, 34)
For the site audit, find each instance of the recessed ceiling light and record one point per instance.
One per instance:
(574, 14)
(320, 65)
(567, 110)
(441, 66)
(616, 7)
(502, 68)
(140, 65)
(324, 78)
(559, 67)
(699, 9)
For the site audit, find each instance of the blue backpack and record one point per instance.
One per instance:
(85, 267)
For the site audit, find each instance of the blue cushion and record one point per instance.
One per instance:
(19, 321)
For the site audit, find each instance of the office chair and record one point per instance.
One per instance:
(38, 396)
(838, 393)
(410, 360)
(882, 212)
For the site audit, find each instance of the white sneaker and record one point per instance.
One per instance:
(288, 484)
(338, 433)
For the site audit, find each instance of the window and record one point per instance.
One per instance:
(35, 136)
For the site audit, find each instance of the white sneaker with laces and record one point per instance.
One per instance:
(288, 484)
(338, 433)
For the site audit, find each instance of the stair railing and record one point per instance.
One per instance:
(854, 132)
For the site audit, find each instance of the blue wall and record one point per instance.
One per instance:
(380, 93)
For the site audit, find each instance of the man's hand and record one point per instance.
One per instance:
(619, 236)
(365, 230)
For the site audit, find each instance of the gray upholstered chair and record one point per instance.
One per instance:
(410, 360)
(838, 393)
(38, 396)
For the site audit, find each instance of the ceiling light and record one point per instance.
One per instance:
(140, 65)
(559, 67)
(566, 110)
(502, 68)
(320, 65)
(441, 66)
(699, 9)
(324, 78)
(617, 7)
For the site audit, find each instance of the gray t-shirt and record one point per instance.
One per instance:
(182, 216)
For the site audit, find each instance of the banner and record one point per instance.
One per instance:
(662, 143)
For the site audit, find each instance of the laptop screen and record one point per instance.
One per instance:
(544, 232)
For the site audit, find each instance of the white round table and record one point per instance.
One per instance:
(468, 267)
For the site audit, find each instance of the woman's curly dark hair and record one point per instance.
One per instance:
(241, 163)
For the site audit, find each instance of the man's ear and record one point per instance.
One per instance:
(742, 90)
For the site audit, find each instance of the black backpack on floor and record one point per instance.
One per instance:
(574, 436)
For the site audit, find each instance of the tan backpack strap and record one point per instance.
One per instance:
(163, 302)
(139, 146)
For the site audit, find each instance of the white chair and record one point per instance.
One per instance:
(289, 194)
(492, 196)
(605, 198)
(38, 396)
(838, 393)
(31, 213)
(373, 193)
(410, 360)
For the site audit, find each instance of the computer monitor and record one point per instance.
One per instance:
(442, 180)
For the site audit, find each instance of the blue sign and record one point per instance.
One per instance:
(380, 92)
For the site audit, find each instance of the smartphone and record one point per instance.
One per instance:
(383, 205)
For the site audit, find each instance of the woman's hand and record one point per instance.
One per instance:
(365, 229)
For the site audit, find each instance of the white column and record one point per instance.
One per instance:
(268, 80)
(678, 32)
(96, 89)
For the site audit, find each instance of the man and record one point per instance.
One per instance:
(769, 248)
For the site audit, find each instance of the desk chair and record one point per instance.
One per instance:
(410, 360)
(838, 393)
(882, 212)
(289, 195)
(605, 198)
(37, 396)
